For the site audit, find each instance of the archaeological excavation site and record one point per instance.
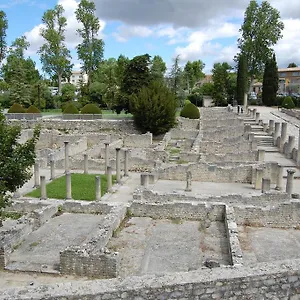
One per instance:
(209, 210)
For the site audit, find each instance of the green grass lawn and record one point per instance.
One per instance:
(83, 187)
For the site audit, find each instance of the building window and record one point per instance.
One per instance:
(296, 73)
(282, 74)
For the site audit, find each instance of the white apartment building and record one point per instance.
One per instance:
(77, 78)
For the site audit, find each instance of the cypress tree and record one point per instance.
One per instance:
(270, 82)
(241, 84)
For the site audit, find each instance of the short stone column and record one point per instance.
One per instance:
(67, 162)
(188, 181)
(68, 186)
(251, 137)
(254, 113)
(52, 167)
(298, 152)
(109, 179)
(265, 127)
(283, 135)
(261, 155)
(98, 188)
(290, 181)
(43, 188)
(259, 176)
(145, 180)
(85, 164)
(291, 145)
(36, 174)
(279, 180)
(266, 185)
(126, 153)
(254, 145)
(118, 165)
(271, 126)
(106, 156)
(257, 117)
(276, 133)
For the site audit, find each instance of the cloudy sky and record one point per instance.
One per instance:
(193, 29)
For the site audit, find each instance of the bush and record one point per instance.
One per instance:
(154, 108)
(16, 108)
(196, 98)
(190, 111)
(70, 109)
(32, 110)
(91, 109)
(187, 101)
(288, 103)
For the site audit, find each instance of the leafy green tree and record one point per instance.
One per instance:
(154, 108)
(175, 80)
(3, 28)
(15, 159)
(270, 82)
(260, 31)
(158, 68)
(193, 72)
(206, 89)
(122, 63)
(68, 92)
(292, 65)
(90, 50)
(54, 55)
(242, 79)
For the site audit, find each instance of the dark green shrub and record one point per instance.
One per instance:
(70, 109)
(187, 101)
(32, 110)
(288, 103)
(154, 108)
(16, 108)
(196, 98)
(190, 111)
(91, 109)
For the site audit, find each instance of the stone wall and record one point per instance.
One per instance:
(138, 140)
(291, 112)
(187, 124)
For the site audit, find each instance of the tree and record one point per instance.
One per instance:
(90, 50)
(175, 80)
(3, 28)
(54, 55)
(154, 108)
(15, 159)
(260, 31)
(158, 68)
(270, 82)
(292, 65)
(242, 79)
(192, 72)
(68, 92)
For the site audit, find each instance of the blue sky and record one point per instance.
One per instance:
(193, 29)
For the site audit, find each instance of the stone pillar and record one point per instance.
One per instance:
(118, 165)
(290, 181)
(298, 152)
(144, 180)
(52, 167)
(251, 137)
(266, 185)
(68, 186)
(271, 126)
(257, 117)
(36, 174)
(265, 127)
(43, 188)
(106, 156)
(291, 145)
(279, 181)
(98, 188)
(126, 173)
(67, 163)
(260, 155)
(109, 179)
(188, 181)
(254, 113)
(254, 145)
(276, 133)
(259, 176)
(85, 164)
(283, 135)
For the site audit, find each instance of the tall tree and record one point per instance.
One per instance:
(122, 63)
(292, 65)
(158, 68)
(3, 28)
(54, 54)
(260, 31)
(270, 82)
(90, 50)
(242, 79)
(175, 79)
(193, 72)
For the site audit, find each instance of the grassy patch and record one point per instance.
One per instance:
(34, 244)
(83, 187)
(174, 151)
(11, 215)
(177, 221)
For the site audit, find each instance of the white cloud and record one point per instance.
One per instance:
(124, 33)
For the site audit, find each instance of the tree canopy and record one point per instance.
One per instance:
(3, 28)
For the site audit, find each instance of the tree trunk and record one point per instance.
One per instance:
(59, 76)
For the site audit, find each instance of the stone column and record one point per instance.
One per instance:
(106, 156)
(283, 135)
(98, 188)
(266, 185)
(188, 181)
(298, 152)
(68, 186)
(52, 167)
(254, 113)
(259, 176)
(144, 180)
(290, 181)
(271, 126)
(279, 181)
(291, 145)
(67, 163)
(254, 145)
(126, 173)
(36, 174)
(265, 127)
(257, 117)
(260, 155)
(118, 165)
(276, 133)
(251, 137)
(109, 179)
(43, 188)
(85, 164)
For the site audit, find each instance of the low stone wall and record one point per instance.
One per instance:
(291, 112)
(236, 156)
(187, 124)
(21, 116)
(183, 134)
(138, 140)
